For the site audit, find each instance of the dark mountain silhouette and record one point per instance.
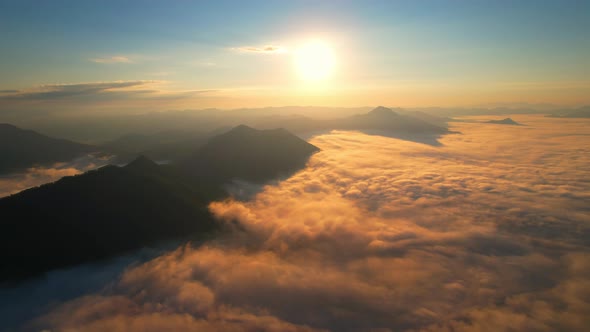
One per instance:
(177, 144)
(96, 215)
(108, 211)
(145, 166)
(21, 148)
(249, 154)
(170, 145)
(506, 121)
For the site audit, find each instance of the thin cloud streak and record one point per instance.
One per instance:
(61, 91)
(112, 59)
(79, 95)
(268, 49)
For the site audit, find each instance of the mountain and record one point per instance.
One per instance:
(383, 118)
(21, 149)
(131, 143)
(249, 154)
(582, 112)
(467, 111)
(381, 111)
(96, 215)
(439, 121)
(111, 210)
(169, 145)
(506, 121)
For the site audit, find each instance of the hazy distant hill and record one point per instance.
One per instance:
(582, 112)
(175, 146)
(506, 121)
(379, 119)
(440, 121)
(21, 148)
(383, 118)
(132, 143)
(467, 111)
(249, 154)
(169, 145)
(96, 215)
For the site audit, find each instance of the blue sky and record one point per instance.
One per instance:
(387, 52)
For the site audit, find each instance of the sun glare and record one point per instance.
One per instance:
(315, 61)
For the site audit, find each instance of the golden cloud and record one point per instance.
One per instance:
(488, 232)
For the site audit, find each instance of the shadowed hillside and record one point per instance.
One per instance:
(177, 144)
(249, 154)
(113, 209)
(21, 148)
(96, 215)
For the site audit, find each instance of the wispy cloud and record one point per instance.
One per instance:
(112, 59)
(61, 91)
(38, 175)
(268, 49)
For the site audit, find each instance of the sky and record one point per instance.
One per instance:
(156, 55)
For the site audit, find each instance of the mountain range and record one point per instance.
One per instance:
(581, 112)
(113, 209)
(21, 149)
(175, 145)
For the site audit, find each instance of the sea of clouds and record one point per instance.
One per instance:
(35, 176)
(490, 231)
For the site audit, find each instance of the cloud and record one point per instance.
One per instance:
(488, 232)
(98, 92)
(36, 176)
(268, 49)
(112, 59)
(61, 91)
(116, 97)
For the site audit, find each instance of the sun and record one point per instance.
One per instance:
(315, 61)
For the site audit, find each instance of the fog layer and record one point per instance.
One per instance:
(488, 232)
(36, 176)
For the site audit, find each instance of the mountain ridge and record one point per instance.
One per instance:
(22, 148)
(260, 153)
(113, 209)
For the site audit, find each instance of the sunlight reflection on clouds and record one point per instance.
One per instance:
(38, 175)
(488, 232)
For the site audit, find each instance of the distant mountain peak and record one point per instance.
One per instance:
(242, 128)
(507, 121)
(250, 154)
(8, 125)
(142, 163)
(23, 148)
(382, 111)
